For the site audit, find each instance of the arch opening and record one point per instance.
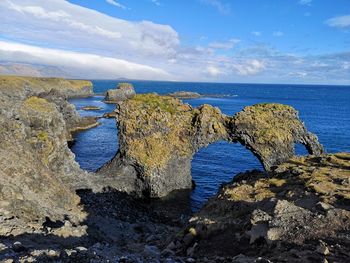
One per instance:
(300, 149)
(217, 164)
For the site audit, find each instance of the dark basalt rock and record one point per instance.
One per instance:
(122, 92)
(158, 136)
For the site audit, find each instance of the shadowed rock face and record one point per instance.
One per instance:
(158, 136)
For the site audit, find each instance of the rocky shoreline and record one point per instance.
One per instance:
(52, 211)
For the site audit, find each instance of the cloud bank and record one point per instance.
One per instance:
(87, 43)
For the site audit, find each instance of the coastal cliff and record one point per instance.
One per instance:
(51, 210)
(158, 136)
(38, 171)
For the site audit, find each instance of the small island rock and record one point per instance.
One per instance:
(123, 92)
(185, 95)
(92, 108)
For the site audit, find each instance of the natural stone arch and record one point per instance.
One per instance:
(158, 136)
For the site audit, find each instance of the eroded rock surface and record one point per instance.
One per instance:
(299, 212)
(270, 131)
(38, 171)
(158, 136)
(122, 92)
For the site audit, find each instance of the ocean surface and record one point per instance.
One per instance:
(324, 109)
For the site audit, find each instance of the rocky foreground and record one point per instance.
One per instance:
(52, 211)
(299, 212)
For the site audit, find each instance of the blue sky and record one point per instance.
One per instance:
(262, 41)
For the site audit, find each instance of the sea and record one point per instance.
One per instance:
(324, 109)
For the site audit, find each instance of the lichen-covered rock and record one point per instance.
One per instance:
(38, 174)
(298, 212)
(74, 122)
(270, 131)
(158, 136)
(35, 169)
(122, 92)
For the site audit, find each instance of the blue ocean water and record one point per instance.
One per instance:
(324, 109)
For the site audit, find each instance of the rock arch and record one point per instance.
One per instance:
(158, 136)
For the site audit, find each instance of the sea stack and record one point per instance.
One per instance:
(158, 136)
(122, 92)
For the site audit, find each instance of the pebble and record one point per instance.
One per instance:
(188, 238)
(53, 253)
(167, 252)
(323, 249)
(18, 247)
(81, 249)
(3, 247)
(190, 251)
(151, 251)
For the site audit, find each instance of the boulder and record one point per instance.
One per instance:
(122, 92)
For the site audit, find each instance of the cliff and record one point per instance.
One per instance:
(38, 172)
(298, 212)
(158, 136)
(26, 86)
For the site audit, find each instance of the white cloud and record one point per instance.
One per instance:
(278, 34)
(223, 8)
(339, 21)
(117, 4)
(250, 67)
(224, 45)
(90, 44)
(79, 64)
(60, 24)
(256, 33)
(213, 71)
(156, 2)
(305, 2)
(298, 74)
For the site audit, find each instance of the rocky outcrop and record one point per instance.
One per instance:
(122, 92)
(74, 122)
(185, 95)
(270, 131)
(38, 172)
(298, 212)
(158, 136)
(91, 108)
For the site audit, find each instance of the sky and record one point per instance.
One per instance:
(251, 41)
